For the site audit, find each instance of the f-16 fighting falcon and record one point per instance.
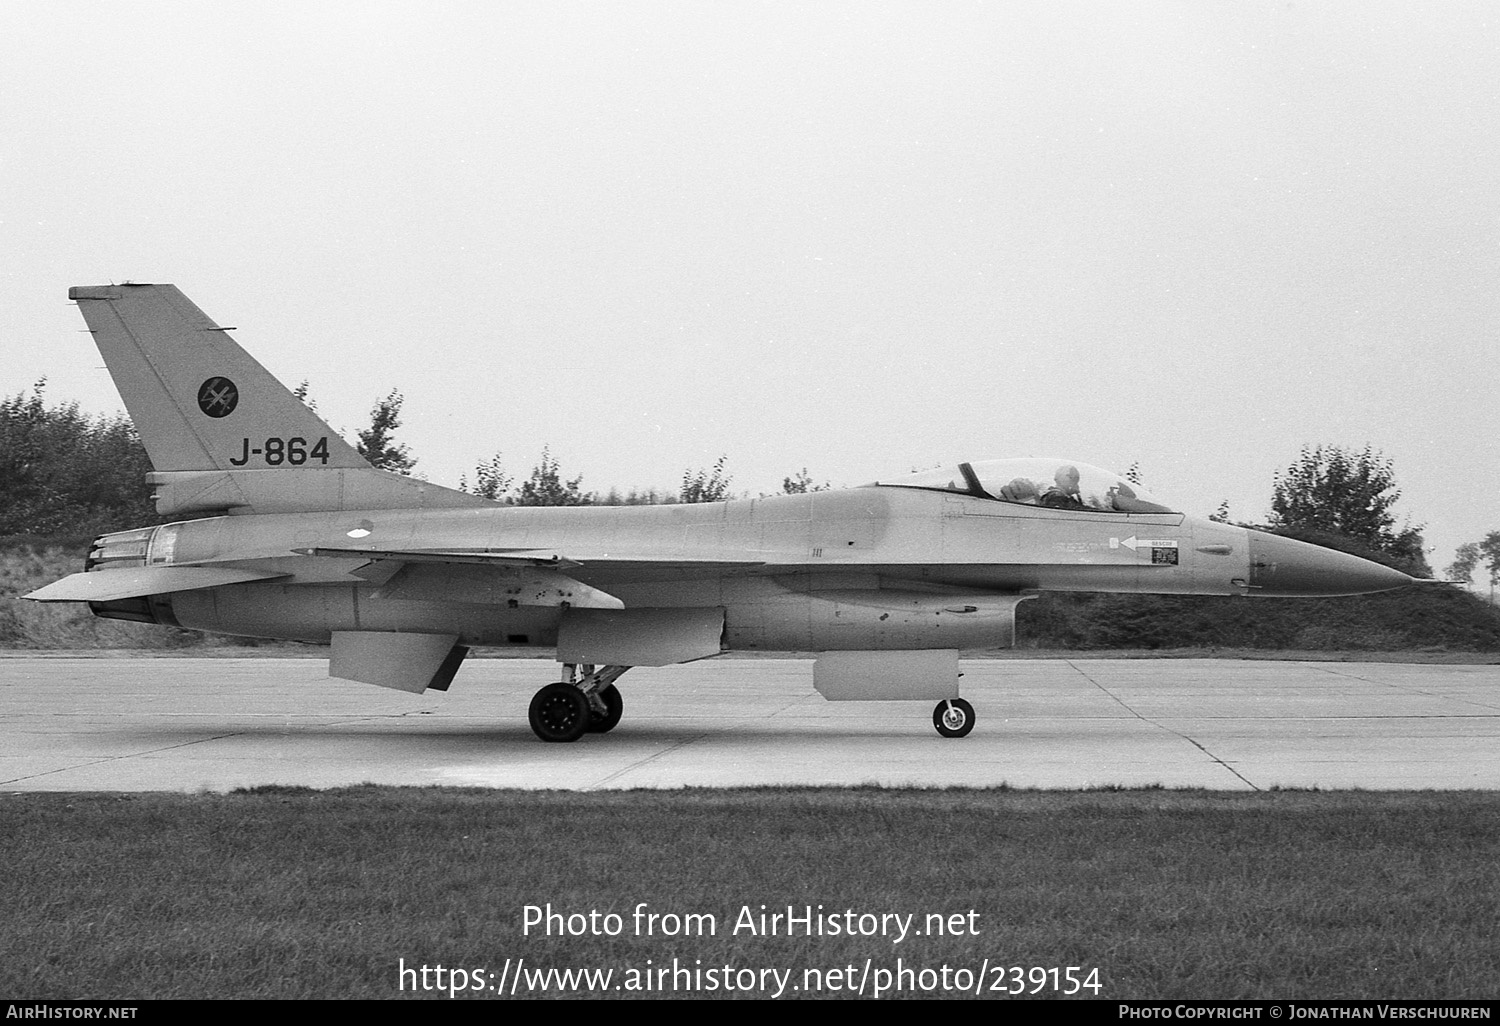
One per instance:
(284, 531)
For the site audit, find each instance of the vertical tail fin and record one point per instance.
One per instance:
(222, 433)
(199, 401)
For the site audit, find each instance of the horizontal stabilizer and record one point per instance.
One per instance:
(136, 582)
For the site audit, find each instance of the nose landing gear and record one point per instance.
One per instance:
(953, 717)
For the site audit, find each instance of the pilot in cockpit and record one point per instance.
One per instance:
(1064, 492)
(1020, 490)
(1074, 486)
(1123, 499)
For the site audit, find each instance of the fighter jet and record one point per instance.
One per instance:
(285, 532)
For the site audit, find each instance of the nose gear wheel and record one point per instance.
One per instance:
(953, 717)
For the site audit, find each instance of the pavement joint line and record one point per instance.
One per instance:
(120, 758)
(1162, 726)
(1404, 690)
(793, 704)
(610, 778)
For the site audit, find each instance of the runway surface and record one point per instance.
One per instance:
(142, 724)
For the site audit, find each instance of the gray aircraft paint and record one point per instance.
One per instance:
(298, 538)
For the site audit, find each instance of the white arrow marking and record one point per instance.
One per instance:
(1133, 543)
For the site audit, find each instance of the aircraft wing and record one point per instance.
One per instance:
(601, 631)
(136, 582)
(536, 558)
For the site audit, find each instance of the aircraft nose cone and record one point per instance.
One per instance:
(1285, 568)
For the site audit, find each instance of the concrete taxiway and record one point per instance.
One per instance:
(187, 724)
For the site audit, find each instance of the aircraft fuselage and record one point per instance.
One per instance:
(888, 582)
(864, 568)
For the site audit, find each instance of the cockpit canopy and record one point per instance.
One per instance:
(1057, 484)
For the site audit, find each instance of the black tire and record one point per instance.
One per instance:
(614, 708)
(559, 712)
(953, 717)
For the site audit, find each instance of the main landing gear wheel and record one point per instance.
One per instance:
(953, 717)
(560, 712)
(614, 708)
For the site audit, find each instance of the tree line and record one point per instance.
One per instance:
(63, 472)
(1333, 496)
(1472, 555)
(547, 485)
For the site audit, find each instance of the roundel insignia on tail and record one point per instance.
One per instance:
(218, 397)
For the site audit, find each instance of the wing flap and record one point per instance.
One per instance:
(136, 582)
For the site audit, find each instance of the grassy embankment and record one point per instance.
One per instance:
(28, 564)
(1427, 619)
(1430, 618)
(291, 893)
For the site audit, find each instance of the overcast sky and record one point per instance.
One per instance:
(859, 238)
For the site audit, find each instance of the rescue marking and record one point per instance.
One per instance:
(1133, 543)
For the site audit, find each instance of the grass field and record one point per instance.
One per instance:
(1168, 894)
